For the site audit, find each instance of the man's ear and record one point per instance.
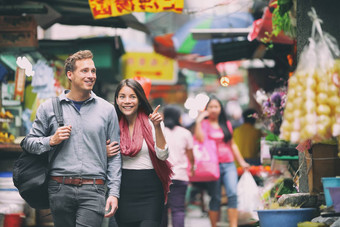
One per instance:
(69, 75)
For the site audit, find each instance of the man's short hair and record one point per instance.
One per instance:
(70, 62)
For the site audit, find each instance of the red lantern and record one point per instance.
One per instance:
(146, 84)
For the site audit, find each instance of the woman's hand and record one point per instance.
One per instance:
(155, 117)
(112, 149)
(245, 165)
(201, 116)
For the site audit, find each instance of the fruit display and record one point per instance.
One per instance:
(6, 137)
(312, 109)
(6, 115)
(5, 118)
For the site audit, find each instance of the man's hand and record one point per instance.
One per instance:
(111, 202)
(62, 133)
(112, 148)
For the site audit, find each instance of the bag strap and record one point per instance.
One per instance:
(58, 111)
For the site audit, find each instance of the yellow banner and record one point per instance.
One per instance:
(112, 8)
(160, 69)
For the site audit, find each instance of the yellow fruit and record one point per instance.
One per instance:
(323, 109)
(295, 137)
(308, 132)
(310, 119)
(333, 90)
(310, 83)
(321, 98)
(8, 115)
(299, 91)
(289, 107)
(298, 101)
(285, 136)
(310, 94)
(334, 101)
(321, 130)
(293, 82)
(286, 126)
(324, 120)
(297, 113)
(322, 87)
(291, 94)
(288, 116)
(310, 106)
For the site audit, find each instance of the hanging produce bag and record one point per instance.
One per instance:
(312, 109)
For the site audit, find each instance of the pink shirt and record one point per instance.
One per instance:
(224, 150)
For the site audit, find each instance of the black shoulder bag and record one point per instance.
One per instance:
(31, 171)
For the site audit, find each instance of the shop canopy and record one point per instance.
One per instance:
(67, 12)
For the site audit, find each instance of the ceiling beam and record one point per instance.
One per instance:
(19, 9)
(213, 33)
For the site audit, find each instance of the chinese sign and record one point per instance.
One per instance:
(112, 8)
(160, 69)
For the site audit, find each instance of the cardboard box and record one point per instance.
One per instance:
(17, 23)
(322, 162)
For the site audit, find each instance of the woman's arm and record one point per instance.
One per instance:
(198, 132)
(160, 139)
(238, 156)
(191, 158)
(156, 119)
(161, 146)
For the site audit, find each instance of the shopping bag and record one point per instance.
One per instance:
(206, 161)
(31, 171)
(248, 198)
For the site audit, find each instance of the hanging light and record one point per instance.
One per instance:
(224, 81)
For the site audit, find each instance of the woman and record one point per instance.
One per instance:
(213, 124)
(145, 171)
(180, 143)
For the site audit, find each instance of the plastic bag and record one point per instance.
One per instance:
(312, 108)
(249, 199)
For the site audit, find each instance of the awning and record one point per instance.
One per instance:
(67, 12)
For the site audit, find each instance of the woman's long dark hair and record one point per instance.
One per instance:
(172, 115)
(222, 120)
(144, 104)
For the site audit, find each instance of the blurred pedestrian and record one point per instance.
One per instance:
(213, 124)
(248, 137)
(146, 173)
(78, 174)
(180, 143)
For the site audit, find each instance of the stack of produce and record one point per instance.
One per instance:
(312, 110)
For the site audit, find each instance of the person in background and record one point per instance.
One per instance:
(146, 175)
(213, 124)
(248, 138)
(180, 143)
(78, 174)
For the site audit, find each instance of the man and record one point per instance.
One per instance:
(248, 138)
(80, 170)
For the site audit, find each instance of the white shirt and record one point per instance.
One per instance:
(142, 160)
(179, 140)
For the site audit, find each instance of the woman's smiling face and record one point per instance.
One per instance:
(127, 101)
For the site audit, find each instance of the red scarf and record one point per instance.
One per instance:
(131, 147)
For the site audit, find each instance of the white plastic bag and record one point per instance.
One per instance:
(249, 199)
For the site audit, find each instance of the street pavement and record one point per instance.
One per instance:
(196, 218)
